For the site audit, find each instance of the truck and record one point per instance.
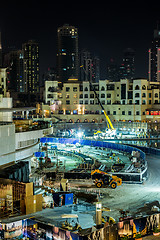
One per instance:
(102, 178)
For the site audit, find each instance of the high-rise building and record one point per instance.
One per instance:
(67, 53)
(31, 66)
(127, 68)
(154, 58)
(13, 61)
(91, 67)
(112, 71)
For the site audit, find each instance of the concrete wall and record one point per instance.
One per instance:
(17, 146)
(7, 135)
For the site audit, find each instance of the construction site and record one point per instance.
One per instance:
(82, 188)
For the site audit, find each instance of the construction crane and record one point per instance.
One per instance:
(109, 123)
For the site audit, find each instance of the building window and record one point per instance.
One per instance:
(80, 101)
(136, 94)
(102, 95)
(150, 102)
(129, 113)
(143, 102)
(67, 89)
(110, 86)
(86, 102)
(86, 89)
(156, 95)
(49, 95)
(108, 95)
(102, 88)
(137, 102)
(123, 112)
(143, 95)
(67, 102)
(67, 96)
(150, 95)
(91, 102)
(81, 96)
(103, 102)
(136, 87)
(144, 87)
(108, 102)
(114, 112)
(85, 95)
(91, 95)
(74, 89)
(108, 112)
(137, 112)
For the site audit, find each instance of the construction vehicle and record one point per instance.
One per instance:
(71, 223)
(106, 179)
(109, 123)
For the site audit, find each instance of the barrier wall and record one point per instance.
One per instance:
(126, 176)
(114, 146)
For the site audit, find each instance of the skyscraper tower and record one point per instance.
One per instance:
(67, 53)
(91, 66)
(127, 68)
(154, 58)
(13, 61)
(112, 71)
(31, 66)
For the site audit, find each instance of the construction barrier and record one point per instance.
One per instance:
(127, 177)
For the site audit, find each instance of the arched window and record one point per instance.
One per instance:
(144, 87)
(136, 87)
(102, 88)
(86, 89)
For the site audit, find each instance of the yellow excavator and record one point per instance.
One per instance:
(106, 179)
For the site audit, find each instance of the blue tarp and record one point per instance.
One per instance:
(68, 198)
(39, 154)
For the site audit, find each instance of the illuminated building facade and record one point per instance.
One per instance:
(67, 52)
(125, 100)
(154, 58)
(31, 66)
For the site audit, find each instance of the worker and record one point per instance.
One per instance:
(53, 204)
(60, 200)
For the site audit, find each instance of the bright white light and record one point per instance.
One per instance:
(79, 134)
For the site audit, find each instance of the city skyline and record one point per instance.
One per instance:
(105, 32)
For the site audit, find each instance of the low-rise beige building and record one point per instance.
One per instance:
(126, 100)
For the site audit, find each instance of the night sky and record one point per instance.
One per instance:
(105, 29)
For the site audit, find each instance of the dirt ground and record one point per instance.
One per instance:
(128, 196)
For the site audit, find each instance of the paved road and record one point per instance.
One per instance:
(132, 196)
